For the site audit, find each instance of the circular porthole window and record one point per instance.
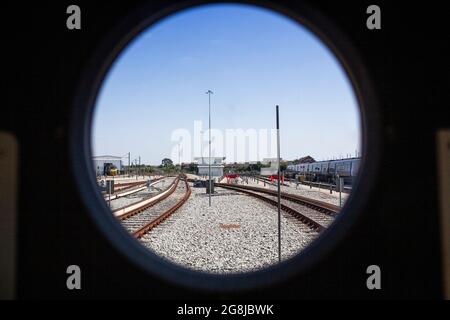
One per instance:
(221, 142)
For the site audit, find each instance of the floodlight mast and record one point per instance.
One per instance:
(209, 92)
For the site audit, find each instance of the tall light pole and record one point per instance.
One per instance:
(209, 92)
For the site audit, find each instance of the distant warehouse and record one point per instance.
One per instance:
(101, 163)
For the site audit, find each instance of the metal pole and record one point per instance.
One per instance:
(109, 192)
(209, 162)
(128, 164)
(279, 188)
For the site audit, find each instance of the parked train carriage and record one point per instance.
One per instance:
(315, 167)
(324, 167)
(320, 172)
(332, 168)
(300, 168)
(355, 167)
(326, 171)
(348, 169)
(343, 168)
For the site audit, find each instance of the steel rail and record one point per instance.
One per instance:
(314, 225)
(126, 185)
(130, 190)
(155, 222)
(145, 206)
(326, 208)
(323, 185)
(267, 180)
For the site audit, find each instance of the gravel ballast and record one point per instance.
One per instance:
(237, 233)
(305, 191)
(133, 223)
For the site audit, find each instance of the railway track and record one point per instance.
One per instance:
(318, 215)
(123, 187)
(136, 207)
(122, 202)
(142, 217)
(126, 185)
(129, 190)
(121, 192)
(268, 181)
(320, 185)
(131, 185)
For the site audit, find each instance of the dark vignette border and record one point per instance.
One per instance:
(80, 149)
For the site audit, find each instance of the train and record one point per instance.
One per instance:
(326, 171)
(110, 170)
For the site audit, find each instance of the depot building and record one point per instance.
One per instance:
(100, 162)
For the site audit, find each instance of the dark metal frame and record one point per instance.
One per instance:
(81, 165)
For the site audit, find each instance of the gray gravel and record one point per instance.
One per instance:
(305, 191)
(137, 221)
(320, 217)
(238, 233)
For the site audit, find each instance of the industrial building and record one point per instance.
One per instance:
(100, 162)
(217, 166)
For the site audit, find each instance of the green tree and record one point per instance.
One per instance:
(193, 168)
(166, 162)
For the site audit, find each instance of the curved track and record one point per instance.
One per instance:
(144, 218)
(317, 216)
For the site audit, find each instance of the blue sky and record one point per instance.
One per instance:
(252, 59)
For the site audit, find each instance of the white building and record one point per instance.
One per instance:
(217, 166)
(100, 161)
